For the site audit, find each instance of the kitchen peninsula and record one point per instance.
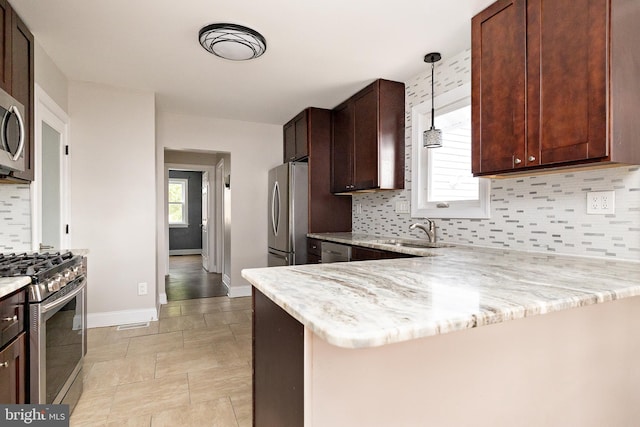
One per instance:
(458, 336)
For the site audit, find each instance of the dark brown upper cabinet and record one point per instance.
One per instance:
(554, 84)
(5, 46)
(367, 144)
(327, 213)
(22, 88)
(17, 78)
(296, 138)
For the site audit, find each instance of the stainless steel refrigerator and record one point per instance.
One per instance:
(288, 214)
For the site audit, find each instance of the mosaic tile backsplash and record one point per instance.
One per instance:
(15, 218)
(542, 213)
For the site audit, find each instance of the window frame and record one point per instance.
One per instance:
(184, 182)
(420, 205)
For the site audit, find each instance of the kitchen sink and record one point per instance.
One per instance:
(412, 243)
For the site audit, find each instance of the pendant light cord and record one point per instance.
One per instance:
(433, 110)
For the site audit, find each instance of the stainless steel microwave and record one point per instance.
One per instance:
(12, 133)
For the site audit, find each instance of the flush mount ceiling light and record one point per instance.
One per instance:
(231, 41)
(432, 138)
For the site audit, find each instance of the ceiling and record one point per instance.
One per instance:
(319, 52)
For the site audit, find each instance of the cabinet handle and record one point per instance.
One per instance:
(532, 158)
(10, 319)
(517, 161)
(4, 365)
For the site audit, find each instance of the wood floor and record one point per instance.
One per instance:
(188, 279)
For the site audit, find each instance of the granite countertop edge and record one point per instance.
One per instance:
(373, 303)
(9, 285)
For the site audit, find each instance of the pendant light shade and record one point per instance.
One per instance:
(432, 138)
(231, 41)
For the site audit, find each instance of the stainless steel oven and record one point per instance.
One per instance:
(58, 345)
(57, 322)
(12, 133)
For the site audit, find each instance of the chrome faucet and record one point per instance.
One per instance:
(430, 229)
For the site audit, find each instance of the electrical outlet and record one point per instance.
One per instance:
(601, 202)
(142, 288)
(402, 207)
(358, 208)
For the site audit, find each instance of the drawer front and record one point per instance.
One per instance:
(12, 372)
(11, 317)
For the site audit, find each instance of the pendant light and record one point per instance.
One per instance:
(232, 41)
(432, 138)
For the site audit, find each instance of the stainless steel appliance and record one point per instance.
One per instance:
(12, 133)
(57, 323)
(288, 214)
(334, 252)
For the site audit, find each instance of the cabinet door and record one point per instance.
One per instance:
(567, 74)
(301, 150)
(498, 87)
(358, 253)
(289, 141)
(342, 148)
(22, 86)
(12, 373)
(365, 157)
(5, 46)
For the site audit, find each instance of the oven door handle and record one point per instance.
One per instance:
(65, 299)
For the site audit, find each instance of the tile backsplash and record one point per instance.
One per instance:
(542, 213)
(15, 218)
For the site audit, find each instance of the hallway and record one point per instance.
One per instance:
(188, 280)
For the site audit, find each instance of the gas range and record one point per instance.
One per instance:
(49, 272)
(57, 304)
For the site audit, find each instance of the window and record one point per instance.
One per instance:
(442, 183)
(178, 190)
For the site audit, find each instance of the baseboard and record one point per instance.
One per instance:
(239, 291)
(185, 252)
(226, 280)
(122, 317)
(162, 298)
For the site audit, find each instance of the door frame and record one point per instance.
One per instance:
(192, 168)
(49, 112)
(219, 221)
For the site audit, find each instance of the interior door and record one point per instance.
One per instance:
(205, 221)
(52, 156)
(51, 186)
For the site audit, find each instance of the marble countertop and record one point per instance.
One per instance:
(373, 303)
(378, 242)
(11, 284)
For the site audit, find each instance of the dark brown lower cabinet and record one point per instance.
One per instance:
(358, 253)
(278, 366)
(12, 372)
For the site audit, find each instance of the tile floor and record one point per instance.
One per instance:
(190, 368)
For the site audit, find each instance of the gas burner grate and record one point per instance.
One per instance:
(25, 264)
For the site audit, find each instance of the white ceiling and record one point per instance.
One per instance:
(319, 52)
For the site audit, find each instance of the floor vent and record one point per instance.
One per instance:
(132, 326)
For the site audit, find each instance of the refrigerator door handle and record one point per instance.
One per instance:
(275, 208)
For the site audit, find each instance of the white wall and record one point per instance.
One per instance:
(254, 149)
(113, 198)
(50, 78)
